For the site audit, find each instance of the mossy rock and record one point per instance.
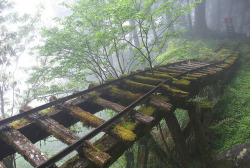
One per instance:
(236, 157)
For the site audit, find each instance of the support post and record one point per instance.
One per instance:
(200, 135)
(178, 137)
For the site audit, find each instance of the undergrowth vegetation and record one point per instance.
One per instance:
(182, 49)
(232, 121)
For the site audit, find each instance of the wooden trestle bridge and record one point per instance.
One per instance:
(155, 97)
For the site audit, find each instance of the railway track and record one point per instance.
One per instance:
(155, 96)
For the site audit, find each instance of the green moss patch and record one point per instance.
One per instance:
(47, 111)
(129, 125)
(137, 87)
(147, 110)
(20, 123)
(147, 80)
(124, 134)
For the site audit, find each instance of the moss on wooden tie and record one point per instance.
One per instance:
(123, 133)
(147, 110)
(19, 123)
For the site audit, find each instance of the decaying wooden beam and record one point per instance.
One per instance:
(95, 155)
(174, 128)
(2, 165)
(178, 137)
(22, 145)
(91, 120)
(53, 127)
(118, 108)
(142, 154)
(200, 136)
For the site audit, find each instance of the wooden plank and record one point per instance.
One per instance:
(56, 129)
(2, 165)
(91, 120)
(22, 145)
(123, 97)
(118, 108)
(53, 127)
(95, 155)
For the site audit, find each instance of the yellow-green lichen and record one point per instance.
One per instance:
(173, 90)
(71, 162)
(189, 78)
(97, 156)
(181, 82)
(137, 87)
(129, 125)
(223, 65)
(123, 95)
(124, 134)
(19, 123)
(123, 75)
(205, 105)
(109, 80)
(86, 117)
(47, 111)
(148, 80)
(147, 110)
(194, 75)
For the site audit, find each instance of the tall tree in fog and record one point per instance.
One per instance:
(243, 15)
(13, 42)
(200, 23)
(189, 18)
(218, 15)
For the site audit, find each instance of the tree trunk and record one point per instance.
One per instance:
(142, 156)
(154, 32)
(129, 155)
(218, 18)
(135, 34)
(163, 159)
(200, 17)
(189, 19)
(243, 16)
(2, 102)
(135, 37)
(230, 9)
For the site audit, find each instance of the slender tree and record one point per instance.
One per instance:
(200, 24)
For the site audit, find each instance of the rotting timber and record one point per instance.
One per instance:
(156, 96)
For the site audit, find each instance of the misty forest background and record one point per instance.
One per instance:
(93, 40)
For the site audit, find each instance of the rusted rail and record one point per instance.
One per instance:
(62, 100)
(174, 81)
